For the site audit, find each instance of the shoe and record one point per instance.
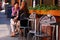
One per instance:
(12, 34)
(17, 33)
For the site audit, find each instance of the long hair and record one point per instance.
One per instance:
(24, 7)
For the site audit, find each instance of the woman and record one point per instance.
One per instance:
(14, 18)
(23, 13)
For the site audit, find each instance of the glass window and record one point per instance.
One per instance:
(37, 2)
(58, 2)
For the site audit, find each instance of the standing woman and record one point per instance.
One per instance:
(15, 10)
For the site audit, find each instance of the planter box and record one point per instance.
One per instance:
(43, 12)
(55, 13)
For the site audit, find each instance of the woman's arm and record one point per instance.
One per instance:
(13, 11)
(17, 15)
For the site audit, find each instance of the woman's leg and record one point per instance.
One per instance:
(12, 27)
(18, 26)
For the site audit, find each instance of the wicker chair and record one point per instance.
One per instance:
(45, 21)
(33, 20)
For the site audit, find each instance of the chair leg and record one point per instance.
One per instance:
(53, 33)
(33, 38)
(39, 38)
(49, 38)
(29, 36)
(20, 35)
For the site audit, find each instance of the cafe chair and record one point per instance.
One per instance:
(32, 19)
(44, 25)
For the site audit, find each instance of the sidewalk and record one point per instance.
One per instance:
(5, 28)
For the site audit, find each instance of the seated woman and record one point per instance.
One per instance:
(15, 10)
(23, 13)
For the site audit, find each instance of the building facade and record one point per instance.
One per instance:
(30, 2)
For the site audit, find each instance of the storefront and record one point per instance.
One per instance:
(30, 2)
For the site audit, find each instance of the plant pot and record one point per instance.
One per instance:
(38, 11)
(44, 12)
(31, 11)
(54, 12)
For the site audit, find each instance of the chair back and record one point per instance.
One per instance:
(32, 15)
(45, 22)
(32, 18)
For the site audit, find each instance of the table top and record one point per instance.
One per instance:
(58, 23)
(24, 27)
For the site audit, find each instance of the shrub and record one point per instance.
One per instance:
(43, 7)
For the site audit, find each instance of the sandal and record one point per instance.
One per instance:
(12, 34)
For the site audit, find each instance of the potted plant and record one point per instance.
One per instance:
(44, 9)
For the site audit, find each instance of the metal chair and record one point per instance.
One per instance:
(45, 21)
(32, 18)
(24, 27)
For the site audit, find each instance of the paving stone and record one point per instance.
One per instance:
(5, 28)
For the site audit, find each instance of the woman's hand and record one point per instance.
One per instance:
(15, 19)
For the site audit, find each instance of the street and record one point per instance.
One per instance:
(5, 28)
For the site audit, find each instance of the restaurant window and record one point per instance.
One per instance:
(32, 3)
(42, 1)
(37, 2)
(58, 2)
